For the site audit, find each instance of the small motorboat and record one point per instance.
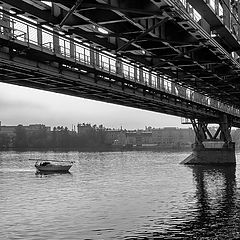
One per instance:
(53, 165)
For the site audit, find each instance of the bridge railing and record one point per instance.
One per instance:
(47, 40)
(227, 12)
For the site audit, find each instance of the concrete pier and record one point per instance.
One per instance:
(212, 147)
(212, 155)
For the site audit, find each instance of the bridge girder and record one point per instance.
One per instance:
(126, 21)
(159, 35)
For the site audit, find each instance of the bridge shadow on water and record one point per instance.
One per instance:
(217, 204)
(214, 208)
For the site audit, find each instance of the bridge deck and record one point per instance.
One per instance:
(192, 75)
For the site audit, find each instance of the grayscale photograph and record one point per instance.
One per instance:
(119, 119)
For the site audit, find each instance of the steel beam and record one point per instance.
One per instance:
(70, 12)
(142, 35)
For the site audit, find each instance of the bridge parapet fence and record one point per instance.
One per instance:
(82, 53)
(216, 6)
(226, 13)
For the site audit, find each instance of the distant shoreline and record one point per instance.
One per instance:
(100, 149)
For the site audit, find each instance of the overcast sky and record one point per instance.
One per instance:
(20, 105)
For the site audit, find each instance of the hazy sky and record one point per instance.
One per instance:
(20, 105)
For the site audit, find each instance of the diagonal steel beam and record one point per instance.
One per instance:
(74, 7)
(207, 131)
(142, 34)
(181, 55)
(104, 6)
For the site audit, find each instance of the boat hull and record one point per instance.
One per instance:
(55, 168)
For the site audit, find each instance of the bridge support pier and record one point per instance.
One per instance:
(212, 147)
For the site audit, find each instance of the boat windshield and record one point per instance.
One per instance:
(44, 163)
(53, 162)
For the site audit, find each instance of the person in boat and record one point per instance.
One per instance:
(44, 164)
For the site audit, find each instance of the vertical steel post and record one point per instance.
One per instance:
(150, 79)
(238, 26)
(119, 66)
(72, 48)
(158, 82)
(136, 73)
(39, 36)
(217, 7)
(7, 24)
(226, 13)
(141, 75)
(56, 45)
(92, 57)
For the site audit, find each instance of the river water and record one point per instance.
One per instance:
(118, 195)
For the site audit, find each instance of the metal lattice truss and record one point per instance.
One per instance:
(159, 34)
(192, 42)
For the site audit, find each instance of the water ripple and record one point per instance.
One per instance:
(125, 195)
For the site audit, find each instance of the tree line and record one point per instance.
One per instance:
(59, 138)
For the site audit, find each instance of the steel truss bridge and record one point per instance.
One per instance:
(179, 57)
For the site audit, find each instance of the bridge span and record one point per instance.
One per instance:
(179, 57)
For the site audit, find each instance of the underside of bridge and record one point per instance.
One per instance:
(181, 56)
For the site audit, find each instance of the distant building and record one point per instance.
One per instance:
(36, 128)
(173, 137)
(84, 128)
(11, 130)
(144, 138)
(162, 137)
(131, 138)
(115, 137)
(138, 137)
(236, 137)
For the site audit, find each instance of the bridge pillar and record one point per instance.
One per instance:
(212, 146)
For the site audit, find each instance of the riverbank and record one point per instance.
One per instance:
(113, 148)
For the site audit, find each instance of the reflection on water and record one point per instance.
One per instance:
(127, 195)
(51, 174)
(216, 204)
